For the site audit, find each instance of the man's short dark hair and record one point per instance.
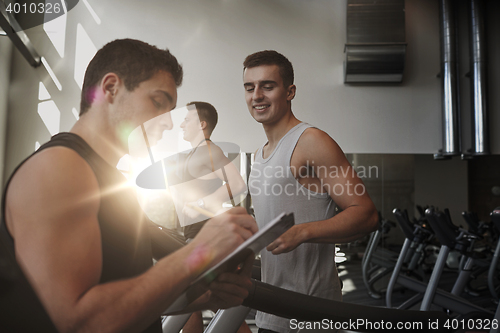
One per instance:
(270, 57)
(133, 61)
(206, 113)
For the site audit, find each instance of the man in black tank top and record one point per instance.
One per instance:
(295, 172)
(78, 233)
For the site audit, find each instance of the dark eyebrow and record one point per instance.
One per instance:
(262, 83)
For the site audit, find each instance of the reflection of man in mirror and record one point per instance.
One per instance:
(209, 178)
(203, 173)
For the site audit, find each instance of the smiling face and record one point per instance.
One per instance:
(267, 98)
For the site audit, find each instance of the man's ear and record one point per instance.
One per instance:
(291, 92)
(203, 125)
(109, 86)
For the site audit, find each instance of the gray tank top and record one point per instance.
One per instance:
(310, 268)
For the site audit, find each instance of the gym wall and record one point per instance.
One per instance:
(211, 39)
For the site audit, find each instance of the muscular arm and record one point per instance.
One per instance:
(322, 154)
(51, 207)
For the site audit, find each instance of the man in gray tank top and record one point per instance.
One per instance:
(301, 169)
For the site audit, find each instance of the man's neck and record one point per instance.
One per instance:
(199, 140)
(102, 139)
(277, 130)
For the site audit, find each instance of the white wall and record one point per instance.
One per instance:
(211, 39)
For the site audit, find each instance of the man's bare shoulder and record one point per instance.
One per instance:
(314, 143)
(217, 156)
(47, 181)
(53, 164)
(214, 148)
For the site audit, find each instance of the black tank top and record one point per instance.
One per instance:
(126, 244)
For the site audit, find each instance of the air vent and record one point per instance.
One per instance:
(376, 46)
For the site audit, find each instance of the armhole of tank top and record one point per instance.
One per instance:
(295, 146)
(255, 154)
(311, 193)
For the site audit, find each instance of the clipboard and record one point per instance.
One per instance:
(254, 244)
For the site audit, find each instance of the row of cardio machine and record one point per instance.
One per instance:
(416, 268)
(18, 301)
(454, 313)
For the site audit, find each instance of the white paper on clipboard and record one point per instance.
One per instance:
(254, 244)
